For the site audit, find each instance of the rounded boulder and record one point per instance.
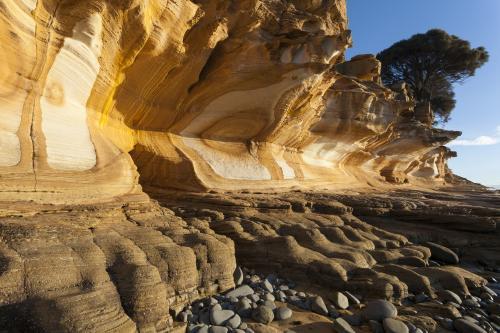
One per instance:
(263, 314)
(379, 310)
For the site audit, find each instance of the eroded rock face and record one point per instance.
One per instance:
(98, 97)
(197, 95)
(105, 268)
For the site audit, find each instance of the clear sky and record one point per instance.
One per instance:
(377, 24)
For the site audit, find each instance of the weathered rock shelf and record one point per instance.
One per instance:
(147, 147)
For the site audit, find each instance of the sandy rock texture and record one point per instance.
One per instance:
(105, 268)
(317, 239)
(133, 264)
(243, 121)
(197, 95)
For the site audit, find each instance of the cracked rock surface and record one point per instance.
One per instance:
(148, 147)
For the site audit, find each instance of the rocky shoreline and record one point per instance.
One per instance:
(138, 263)
(258, 302)
(148, 148)
(442, 296)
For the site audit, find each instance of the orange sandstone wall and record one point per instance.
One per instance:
(197, 95)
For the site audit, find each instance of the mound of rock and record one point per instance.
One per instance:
(259, 143)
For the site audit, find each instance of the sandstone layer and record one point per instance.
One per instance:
(244, 121)
(198, 95)
(131, 265)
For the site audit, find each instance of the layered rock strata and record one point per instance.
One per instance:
(197, 95)
(132, 266)
(464, 218)
(317, 239)
(105, 268)
(100, 99)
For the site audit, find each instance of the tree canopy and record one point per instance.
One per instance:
(430, 64)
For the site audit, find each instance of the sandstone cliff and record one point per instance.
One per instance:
(194, 101)
(198, 95)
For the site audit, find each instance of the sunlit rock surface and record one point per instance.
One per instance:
(101, 100)
(205, 95)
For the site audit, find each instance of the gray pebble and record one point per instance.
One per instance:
(238, 276)
(465, 326)
(244, 290)
(490, 291)
(198, 306)
(342, 326)
(376, 327)
(244, 308)
(269, 297)
(352, 299)
(195, 328)
(447, 323)
(267, 286)
(471, 319)
(318, 305)
(379, 310)
(183, 317)
(340, 300)
(472, 303)
(220, 317)
(218, 329)
(234, 322)
(254, 297)
(280, 296)
(269, 304)
(442, 253)
(283, 313)
(449, 296)
(392, 325)
(203, 329)
(204, 316)
(486, 297)
(212, 301)
(263, 314)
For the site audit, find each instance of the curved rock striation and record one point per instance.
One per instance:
(198, 95)
(105, 268)
(205, 105)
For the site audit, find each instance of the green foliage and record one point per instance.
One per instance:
(430, 64)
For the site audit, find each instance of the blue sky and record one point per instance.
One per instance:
(376, 25)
